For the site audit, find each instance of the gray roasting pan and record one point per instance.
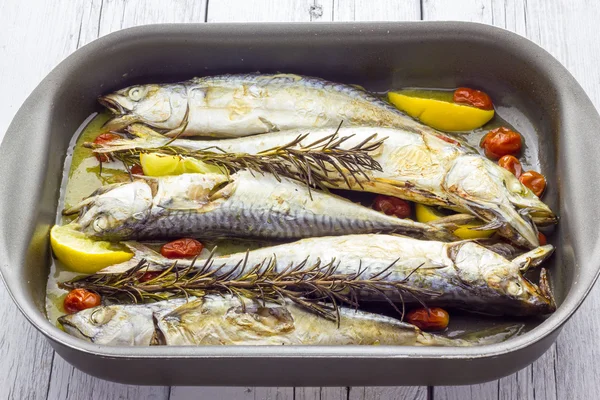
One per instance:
(530, 88)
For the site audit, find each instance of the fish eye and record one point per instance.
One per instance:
(100, 223)
(101, 316)
(135, 93)
(97, 317)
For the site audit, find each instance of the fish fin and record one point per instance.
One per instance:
(545, 289)
(143, 131)
(534, 257)
(91, 198)
(491, 225)
(453, 222)
(492, 335)
(272, 127)
(140, 252)
(478, 338)
(119, 122)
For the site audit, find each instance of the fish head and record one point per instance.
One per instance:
(116, 212)
(111, 325)
(477, 266)
(160, 106)
(498, 197)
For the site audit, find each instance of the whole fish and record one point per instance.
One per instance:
(224, 320)
(237, 205)
(460, 274)
(415, 166)
(241, 105)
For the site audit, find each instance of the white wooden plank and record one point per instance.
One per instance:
(95, 19)
(569, 31)
(388, 393)
(230, 393)
(321, 393)
(376, 10)
(69, 383)
(263, 11)
(25, 57)
(565, 371)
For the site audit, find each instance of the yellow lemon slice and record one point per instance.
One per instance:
(154, 164)
(439, 114)
(82, 254)
(427, 214)
(466, 232)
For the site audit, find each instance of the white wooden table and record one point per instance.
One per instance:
(35, 35)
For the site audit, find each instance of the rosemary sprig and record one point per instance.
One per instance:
(319, 287)
(319, 164)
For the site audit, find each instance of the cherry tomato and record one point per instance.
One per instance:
(472, 97)
(148, 276)
(433, 319)
(102, 139)
(392, 206)
(512, 164)
(80, 299)
(500, 142)
(137, 170)
(542, 239)
(182, 248)
(534, 181)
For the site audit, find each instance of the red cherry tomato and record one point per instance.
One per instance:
(542, 239)
(182, 248)
(433, 319)
(535, 181)
(137, 170)
(102, 139)
(500, 142)
(512, 164)
(80, 299)
(392, 206)
(472, 97)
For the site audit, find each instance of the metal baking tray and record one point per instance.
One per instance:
(531, 89)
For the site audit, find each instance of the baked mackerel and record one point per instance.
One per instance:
(415, 166)
(237, 205)
(247, 104)
(225, 320)
(460, 274)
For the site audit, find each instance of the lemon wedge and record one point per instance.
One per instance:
(82, 254)
(467, 232)
(439, 114)
(154, 164)
(427, 214)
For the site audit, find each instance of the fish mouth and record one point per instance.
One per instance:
(112, 105)
(72, 329)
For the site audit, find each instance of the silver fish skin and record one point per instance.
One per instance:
(224, 320)
(241, 105)
(118, 325)
(416, 166)
(460, 274)
(237, 205)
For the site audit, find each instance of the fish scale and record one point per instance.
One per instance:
(460, 274)
(250, 205)
(248, 104)
(225, 320)
(419, 167)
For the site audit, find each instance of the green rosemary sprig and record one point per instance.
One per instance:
(318, 287)
(318, 164)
